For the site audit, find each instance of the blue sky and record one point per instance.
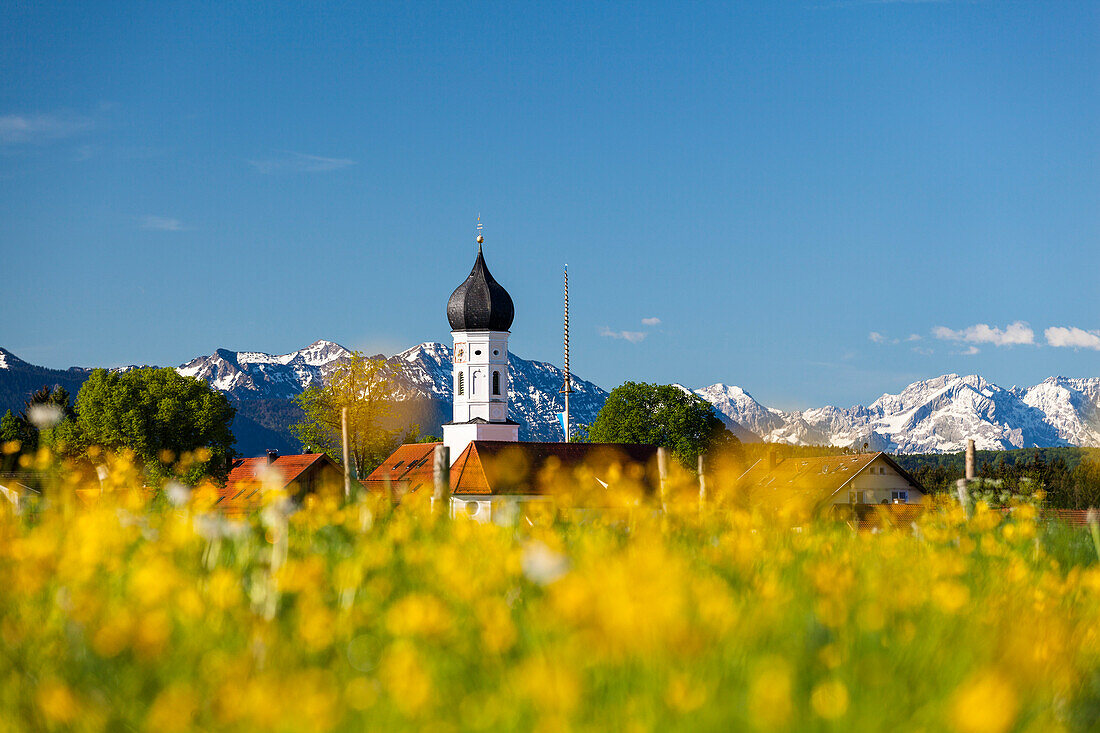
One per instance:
(819, 201)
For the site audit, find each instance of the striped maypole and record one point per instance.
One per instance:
(567, 387)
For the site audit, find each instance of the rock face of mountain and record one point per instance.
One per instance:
(933, 416)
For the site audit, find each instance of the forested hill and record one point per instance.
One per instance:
(20, 379)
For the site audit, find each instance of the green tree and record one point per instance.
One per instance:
(43, 416)
(365, 388)
(159, 415)
(662, 415)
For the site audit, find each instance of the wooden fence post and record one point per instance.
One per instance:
(702, 482)
(347, 461)
(662, 472)
(442, 474)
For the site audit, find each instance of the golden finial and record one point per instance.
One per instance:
(480, 238)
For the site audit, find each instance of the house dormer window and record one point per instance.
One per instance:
(899, 497)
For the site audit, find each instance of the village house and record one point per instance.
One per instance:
(297, 475)
(819, 483)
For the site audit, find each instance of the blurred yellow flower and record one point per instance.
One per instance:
(769, 701)
(829, 699)
(984, 703)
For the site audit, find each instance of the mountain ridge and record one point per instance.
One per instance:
(934, 415)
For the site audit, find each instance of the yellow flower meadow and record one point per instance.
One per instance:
(121, 611)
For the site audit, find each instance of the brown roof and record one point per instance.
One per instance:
(505, 467)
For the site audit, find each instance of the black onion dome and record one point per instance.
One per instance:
(480, 303)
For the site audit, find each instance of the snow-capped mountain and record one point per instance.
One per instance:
(932, 416)
(255, 375)
(424, 371)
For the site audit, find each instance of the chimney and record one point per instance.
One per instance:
(272, 455)
(970, 460)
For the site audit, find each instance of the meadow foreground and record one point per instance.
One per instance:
(120, 612)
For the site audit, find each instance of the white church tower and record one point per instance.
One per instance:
(480, 312)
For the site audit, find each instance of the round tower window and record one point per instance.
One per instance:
(472, 508)
(477, 353)
(496, 353)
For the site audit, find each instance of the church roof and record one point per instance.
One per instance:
(506, 467)
(480, 303)
(501, 467)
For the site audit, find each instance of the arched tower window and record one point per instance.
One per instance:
(461, 383)
(496, 382)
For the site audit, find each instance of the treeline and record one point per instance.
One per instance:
(1069, 476)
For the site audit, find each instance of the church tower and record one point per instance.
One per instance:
(480, 312)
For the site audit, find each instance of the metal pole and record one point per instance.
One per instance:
(347, 460)
(567, 386)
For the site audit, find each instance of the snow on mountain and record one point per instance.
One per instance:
(255, 375)
(739, 407)
(1071, 407)
(933, 416)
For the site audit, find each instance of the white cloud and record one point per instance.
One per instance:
(162, 224)
(913, 337)
(922, 351)
(877, 337)
(981, 333)
(654, 321)
(16, 129)
(1073, 337)
(631, 336)
(300, 163)
(970, 351)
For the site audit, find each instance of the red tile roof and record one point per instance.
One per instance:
(411, 464)
(246, 474)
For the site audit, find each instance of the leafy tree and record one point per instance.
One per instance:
(38, 423)
(662, 415)
(160, 416)
(365, 388)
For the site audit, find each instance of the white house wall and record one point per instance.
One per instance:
(877, 480)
